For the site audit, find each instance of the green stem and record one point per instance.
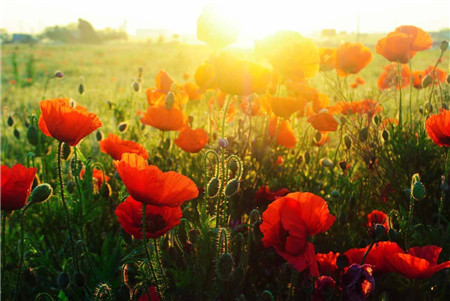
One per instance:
(410, 92)
(367, 252)
(158, 259)
(446, 171)
(144, 241)
(399, 78)
(22, 234)
(3, 244)
(66, 209)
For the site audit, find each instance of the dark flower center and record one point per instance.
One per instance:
(154, 223)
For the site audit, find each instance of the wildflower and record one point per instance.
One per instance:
(66, 123)
(357, 282)
(115, 147)
(285, 134)
(389, 78)
(327, 263)
(289, 220)
(97, 176)
(377, 217)
(265, 195)
(15, 186)
(439, 76)
(193, 91)
(240, 77)
(352, 58)
(149, 185)
(323, 122)
(403, 43)
(418, 77)
(190, 140)
(438, 128)
(251, 105)
(205, 76)
(285, 106)
(327, 58)
(159, 219)
(160, 117)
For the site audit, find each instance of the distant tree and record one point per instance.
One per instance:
(5, 37)
(109, 34)
(58, 34)
(88, 33)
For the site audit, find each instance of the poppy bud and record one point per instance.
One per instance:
(63, 280)
(444, 45)
(169, 100)
(376, 119)
(16, 133)
(307, 157)
(418, 191)
(32, 135)
(347, 141)
(223, 143)
(30, 277)
(79, 279)
(66, 151)
(81, 89)
(99, 135)
(421, 110)
(10, 121)
(224, 266)
(429, 107)
(232, 187)
(123, 126)
(426, 81)
(385, 134)
(41, 193)
(237, 276)
(326, 162)
(136, 86)
(335, 194)
(58, 74)
(363, 134)
(70, 187)
(213, 187)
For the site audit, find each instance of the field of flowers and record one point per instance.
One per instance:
(290, 171)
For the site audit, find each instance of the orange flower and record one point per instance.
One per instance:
(327, 58)
(193, 91)
(239, 77)
(439, 76)
(369, 107)
(323, 122)
(164, 85)
(166, 120)
(438, 128)
(320, 102)
(352, 58)
(65, 123)
(159, 220)
(389, 78)
(289, 220)
(286, 136)
(279, 160)
(205, 76)
(354, 85)
(218, 101)
(402, 44)
(192, 141)
(115, 147)
(302, 89)
(97, 176)
(163, 81)
(327, 263)
(250, 105)
(16, 185)
(418, 77)
(291, 54)
(149, 185)
(285, 106)
(360, 81)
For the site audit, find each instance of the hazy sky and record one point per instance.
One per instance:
(258, 17)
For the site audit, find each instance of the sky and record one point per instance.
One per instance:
(258, 17)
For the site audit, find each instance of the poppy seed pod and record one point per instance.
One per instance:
(41, 193)
(10, 121)
(232, 187)
(224, 266)
(223, 143)
(213, 187)
(63, 280)
(418, 191)
(32, 135)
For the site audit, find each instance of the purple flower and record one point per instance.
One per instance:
(357, 282)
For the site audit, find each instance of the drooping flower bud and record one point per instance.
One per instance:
(347, 141)
(224, 266)
(232, 187)
(32, 135)
(10, 121)
(63, 280)
(41, 193)
(213, 187)
(418, 191)
(444, 45)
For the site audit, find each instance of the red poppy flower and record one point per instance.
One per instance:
(327, 263)
(439, 76)
(190, 140)
(149, 185)
(389, 78)
(377, 217)
(97, 176)
(65, 123)
(418, 77)
(323, 288)
(251, 105)
(289, 220)
(323, 122)
(420, 262)
(265, 195)
(166, 120)
(352, 58)
(15, 186)
(438, 128)
(115, 147)
(159, 219)
(286, 136)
